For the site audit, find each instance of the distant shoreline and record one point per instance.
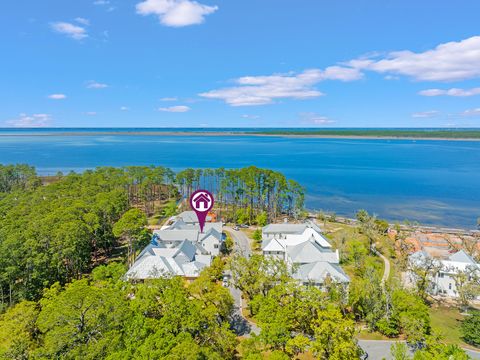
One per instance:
(417, 135)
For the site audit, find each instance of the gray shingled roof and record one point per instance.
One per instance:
(210, 232)
(308, 252)
(462, 256)
(187, 248)
(177, 235)
(285, 228)
(188, 216)
(181, 225)
(318, 271)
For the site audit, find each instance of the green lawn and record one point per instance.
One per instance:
(447, 320)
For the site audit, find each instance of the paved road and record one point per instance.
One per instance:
(380, 349)
(241, 241)
(241, 325)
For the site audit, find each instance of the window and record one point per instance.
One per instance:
(450, 286)
(215, 246)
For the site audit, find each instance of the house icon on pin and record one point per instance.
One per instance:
(201, 202)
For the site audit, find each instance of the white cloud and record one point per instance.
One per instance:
(315, 119)
(91, 113)
(250, 117)
(82, 21)
(124, 108)
(104, 3)
(57, 96)
(35, 120)
(96, 85)
(426, 114)
(450, 92)
(452, 61)
(472, 112)
(176, 13)
(74, 31)
(169, 99)
(261, 90)
(175, 109)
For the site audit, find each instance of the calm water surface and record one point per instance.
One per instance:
(433, 182)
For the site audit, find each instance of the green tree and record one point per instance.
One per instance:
(229, 244)
(412, 315)
(434, 349)
(399, 351)
(467, 283)
(131, 226)
(257, 238)
(261, 219)
(170, 209)
(18, 331)
(82, 321)
(258, 274)
(423, 270)
(334, 336)
(297, 345)
(471, 328)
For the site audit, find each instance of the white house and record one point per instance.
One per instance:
(279, 231)
(305, 249)
(179, 249)
(443, 282)
(156, 261)
(184, 227)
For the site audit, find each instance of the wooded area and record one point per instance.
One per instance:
(57, 232)
(244, 194)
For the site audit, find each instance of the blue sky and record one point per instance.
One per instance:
(268, 63)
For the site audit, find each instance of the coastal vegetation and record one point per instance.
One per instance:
(379, 133)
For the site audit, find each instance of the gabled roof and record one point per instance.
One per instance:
(176, 235)
(150, 267)
(193, 269)
(179, 224)
(156, 262)
(284, 228)
(272, 245)
(186, 248)
(188, 217)
(318, 271)
(308, 252)
(309, 234)
(463, 257)
(200, 249)
(210, 232)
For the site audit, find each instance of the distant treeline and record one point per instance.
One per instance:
(56, 232)
(248, 195)
(394, 133)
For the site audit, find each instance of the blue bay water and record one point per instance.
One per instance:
(433, 182)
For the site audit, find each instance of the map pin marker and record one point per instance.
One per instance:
(201, 201)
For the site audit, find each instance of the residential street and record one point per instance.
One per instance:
(241, 325)
(242, 243)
